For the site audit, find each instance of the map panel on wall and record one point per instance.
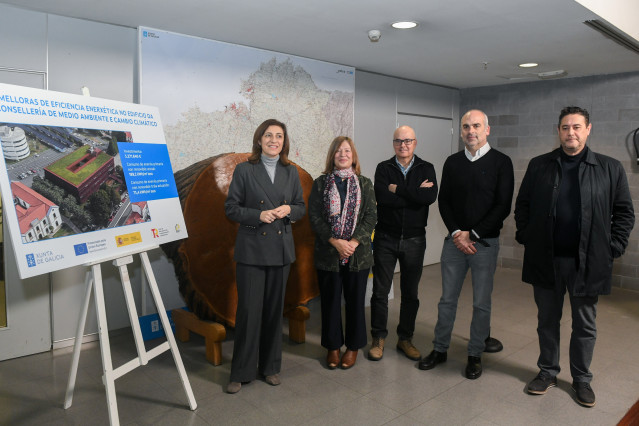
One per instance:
(213, 95)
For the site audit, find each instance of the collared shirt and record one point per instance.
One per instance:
(407, 168)
(480, 152)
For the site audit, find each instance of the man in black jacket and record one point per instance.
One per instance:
(405, 186)
(474, 199)
(574, 214)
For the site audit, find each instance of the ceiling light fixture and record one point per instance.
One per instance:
(529, 65)
(552, 74)
(404, 25)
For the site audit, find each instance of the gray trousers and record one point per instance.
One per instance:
(258, 321)
(455, 265)
(584, 329)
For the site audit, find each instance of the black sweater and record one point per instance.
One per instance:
(476, 195)
(404, 214)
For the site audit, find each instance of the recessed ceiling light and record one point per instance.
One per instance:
(529, 65)
(404, 25)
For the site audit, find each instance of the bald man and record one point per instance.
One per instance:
(405, 186)
(475, 197)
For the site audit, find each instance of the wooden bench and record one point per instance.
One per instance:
(213, 333)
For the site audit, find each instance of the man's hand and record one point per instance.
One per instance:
(426, 184)
(392, 188)
(463, 242)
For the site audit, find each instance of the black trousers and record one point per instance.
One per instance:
(353, 285)
(410, 253)
(258, 321)
(584, 329)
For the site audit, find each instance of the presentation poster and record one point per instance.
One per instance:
(83, 179)
(213, 95)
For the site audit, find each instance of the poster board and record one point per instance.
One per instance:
(83, 179)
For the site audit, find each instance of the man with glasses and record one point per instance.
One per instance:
(405, 186)
(475, 197)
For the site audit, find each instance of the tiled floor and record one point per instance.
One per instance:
(392, 391)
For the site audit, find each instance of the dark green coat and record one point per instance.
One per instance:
(326, 256)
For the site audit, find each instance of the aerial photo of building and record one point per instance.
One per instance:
(14, 143)
(38, 217)
(82, 172)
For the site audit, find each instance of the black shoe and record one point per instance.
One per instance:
(585, 394)
(493, 345)
(540, 384)
(432, 359)
(473, 368)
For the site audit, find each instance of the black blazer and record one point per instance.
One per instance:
(251, 192)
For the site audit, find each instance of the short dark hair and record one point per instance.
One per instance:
(256, 151)
(573, 110)
(332, 150)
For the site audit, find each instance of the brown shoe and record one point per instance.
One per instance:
(348, 359)
(273, 380)
(233, 387)
(332, 359)
(377, 349)
(409, 350)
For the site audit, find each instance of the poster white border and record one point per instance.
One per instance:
(164, 222)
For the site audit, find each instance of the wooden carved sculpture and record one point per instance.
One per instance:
(204, 261)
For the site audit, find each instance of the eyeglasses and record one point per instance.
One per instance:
(399, 142)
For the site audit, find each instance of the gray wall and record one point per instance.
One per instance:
(523, 124)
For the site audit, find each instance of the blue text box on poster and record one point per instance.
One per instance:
(147, 171)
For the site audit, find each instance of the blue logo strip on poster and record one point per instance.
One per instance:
(147, 171)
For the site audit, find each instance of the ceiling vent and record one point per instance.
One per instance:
(614, 34)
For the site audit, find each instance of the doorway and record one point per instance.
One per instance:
(434, 144)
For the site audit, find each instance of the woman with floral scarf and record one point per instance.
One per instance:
(343, 214)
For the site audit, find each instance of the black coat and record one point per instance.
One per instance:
(607, 217)
(251, 192)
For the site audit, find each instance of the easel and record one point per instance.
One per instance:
(93, 281)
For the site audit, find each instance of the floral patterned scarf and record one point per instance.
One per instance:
(342, 222)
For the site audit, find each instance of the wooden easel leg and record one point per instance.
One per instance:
(130, 305)
(105, 348)
(94, 282)
(77, 346)
(157, 297)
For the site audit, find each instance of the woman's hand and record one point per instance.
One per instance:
(282, 211)
(344, 248)
(269, 216)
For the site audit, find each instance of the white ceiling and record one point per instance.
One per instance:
(449, 47)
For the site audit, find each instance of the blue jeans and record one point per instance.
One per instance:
(410, 253)
(454, 266)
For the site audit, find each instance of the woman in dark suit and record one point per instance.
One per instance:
(265, 197)
(343, 215)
